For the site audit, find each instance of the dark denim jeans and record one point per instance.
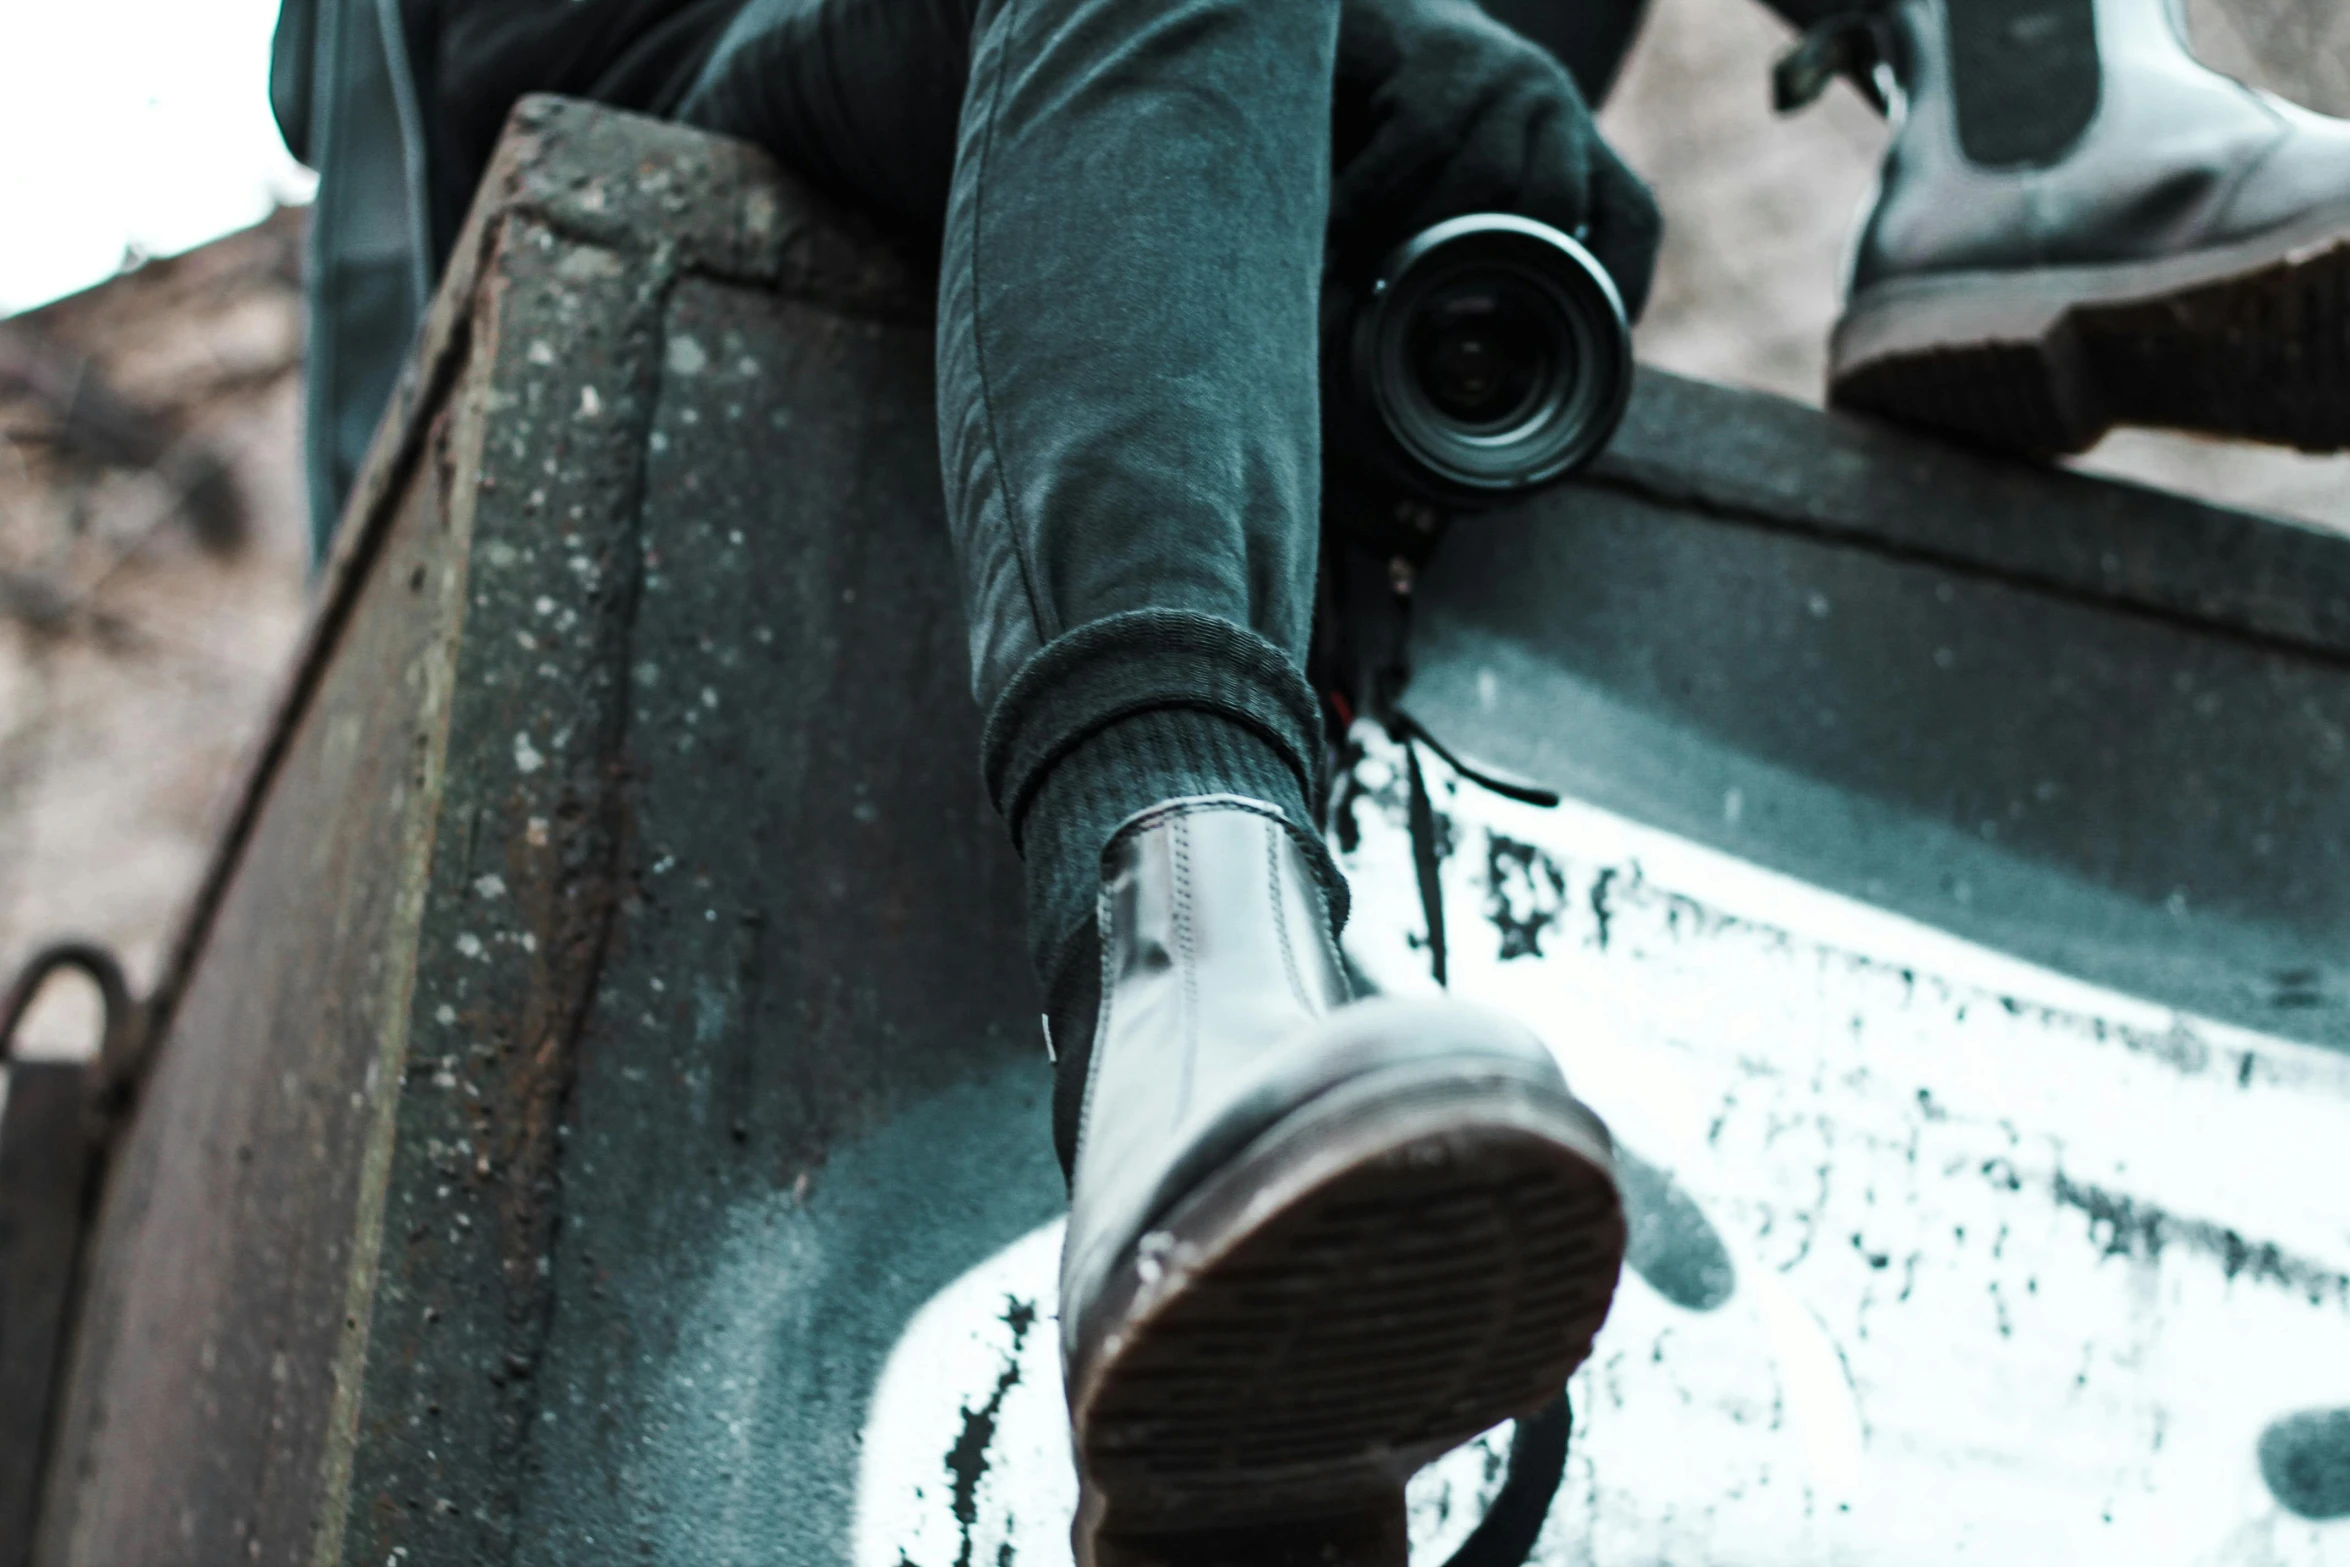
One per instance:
(1128, 204)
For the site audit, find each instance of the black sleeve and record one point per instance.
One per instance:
(292, 63)
(475, 58)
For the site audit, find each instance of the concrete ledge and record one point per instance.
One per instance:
(614, 968)
(627, 775)
(1852, 481)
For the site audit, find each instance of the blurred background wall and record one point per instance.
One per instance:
(152, 575)
(152, 580)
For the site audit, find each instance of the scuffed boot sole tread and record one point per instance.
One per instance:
(1348, 1301)
(2263, 355)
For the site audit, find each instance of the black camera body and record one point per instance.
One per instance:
(1488, 357)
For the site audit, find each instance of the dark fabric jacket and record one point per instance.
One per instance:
(397, 105)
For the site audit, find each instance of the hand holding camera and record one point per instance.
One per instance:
(1488, 250)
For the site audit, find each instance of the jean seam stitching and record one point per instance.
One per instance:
(1279, 891)
(995, 446)
(1187, 956)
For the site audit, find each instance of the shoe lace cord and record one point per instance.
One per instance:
(1411, 734)
(1507, 1534)
(1855, 45)
(1512, 1525)
(1391, 675)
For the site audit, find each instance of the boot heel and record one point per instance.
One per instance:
(1374, 1535)
(1405, 1262)
(2036, 398)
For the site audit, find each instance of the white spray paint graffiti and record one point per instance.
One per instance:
(977, 1378)
(2003, 1266)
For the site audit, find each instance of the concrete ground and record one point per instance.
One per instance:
(136, 668)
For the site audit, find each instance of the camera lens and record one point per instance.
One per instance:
(1482, 356)
(1490, 357)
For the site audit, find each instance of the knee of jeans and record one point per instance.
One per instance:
(717, 101)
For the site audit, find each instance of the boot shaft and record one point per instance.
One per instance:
(2023, 76)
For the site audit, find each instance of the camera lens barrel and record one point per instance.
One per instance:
(1490, 356)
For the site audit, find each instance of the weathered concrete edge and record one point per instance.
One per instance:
(470, 428)
(1751, 458)
(825, 257)
(478, 1291)
(586, 172)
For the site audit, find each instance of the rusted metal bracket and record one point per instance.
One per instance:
(53, 1133)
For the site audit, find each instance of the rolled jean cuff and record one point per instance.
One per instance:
(1139, 661)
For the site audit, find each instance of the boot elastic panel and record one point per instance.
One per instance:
(2024, 78)
(1073, 1003)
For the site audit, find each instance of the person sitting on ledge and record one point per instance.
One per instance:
(1315, 1241)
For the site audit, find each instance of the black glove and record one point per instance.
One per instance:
(1441, 111)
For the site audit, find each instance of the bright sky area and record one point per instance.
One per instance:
(130, 127)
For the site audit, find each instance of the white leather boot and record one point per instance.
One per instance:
(1312, 1244)
(2079, 226)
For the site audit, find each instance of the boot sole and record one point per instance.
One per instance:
(1401, 1264)
(2253, 343)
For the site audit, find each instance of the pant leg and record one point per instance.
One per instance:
(1129, 201)
(1128, 389)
